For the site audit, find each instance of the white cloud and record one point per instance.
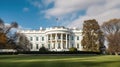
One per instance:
(36, 3)
(69, 10)
(47, 2)
(25, 9)
(63, 7)
(102, 12)
(105, 16)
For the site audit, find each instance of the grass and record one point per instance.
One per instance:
(59, 61)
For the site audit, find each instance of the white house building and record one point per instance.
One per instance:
(56, 38)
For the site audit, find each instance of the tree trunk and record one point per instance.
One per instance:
(116, 53)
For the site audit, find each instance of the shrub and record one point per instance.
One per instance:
(43, 49)
(73, 49)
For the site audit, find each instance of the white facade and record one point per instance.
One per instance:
(54, 38)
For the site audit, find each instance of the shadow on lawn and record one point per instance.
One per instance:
(62, 64)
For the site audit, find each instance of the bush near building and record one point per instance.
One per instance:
(73, 49)
(43, 49)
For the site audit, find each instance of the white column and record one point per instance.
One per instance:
(69, 40)
(66, 41)
(51, 40)
(46, 41)
(61, 41)
(56, 45)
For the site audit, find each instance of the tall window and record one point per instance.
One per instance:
(36, 46)
(58, 45)
(42, 38)
(78, 45)
(37, 38)
(54, 46)
(31, 38)
(48, 46)
(31, 46)
(42, 45)
(48, 38)
(72, 38)
(72, 45)
(77, 37)
(59, 37)
(64, 46)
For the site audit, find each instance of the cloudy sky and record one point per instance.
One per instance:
(33, 14)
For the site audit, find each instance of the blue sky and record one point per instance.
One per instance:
(27, 15)
(71, 13)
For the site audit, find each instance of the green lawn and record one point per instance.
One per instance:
(59, 61)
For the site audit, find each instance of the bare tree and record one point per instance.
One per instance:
(23, 44)
(111, 30)
(7, 40)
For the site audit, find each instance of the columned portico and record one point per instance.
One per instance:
(58, 41)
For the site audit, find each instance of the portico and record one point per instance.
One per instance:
(58, 41)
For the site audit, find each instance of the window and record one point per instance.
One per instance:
(64, 46)
(42, 38)
(48, 46)
(72, 38)
(31, 46)
(37, 38)
(72, 45)
(78, 45)
(42, 45)
(77, 37)
(31, 38)
(58, 45)
(59, 37)
(36, 46)
(48, 38)
(54, 46)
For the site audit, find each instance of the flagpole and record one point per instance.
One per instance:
(57, 20)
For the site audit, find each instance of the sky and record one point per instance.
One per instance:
(33, 14)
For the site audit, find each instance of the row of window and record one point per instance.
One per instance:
(37, 46)
(37, 38)
(59, 46)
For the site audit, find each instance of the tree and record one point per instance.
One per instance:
(6, 39)
(111, 30)
(93, 37)
(9, 37)
(23, 44)
(3, 38)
